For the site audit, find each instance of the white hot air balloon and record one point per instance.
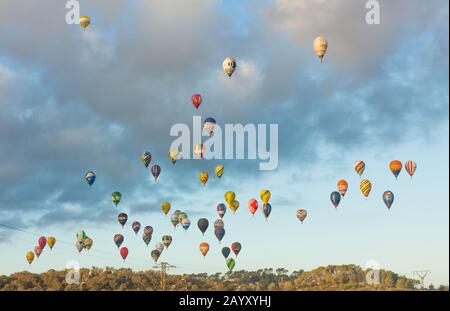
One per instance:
(229, 66)
(320, 46)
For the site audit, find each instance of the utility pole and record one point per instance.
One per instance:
(164, 266)
(422, 275)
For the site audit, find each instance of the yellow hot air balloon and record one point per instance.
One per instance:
(265, 196)
(234, 205)
(365, 187)
(320, 46)
(51, 242)
(88, 243)
(203, 178)
(85, 21)
(229, 196)
(165, 207)
(219, 170)
(174, 155)
(30, 257)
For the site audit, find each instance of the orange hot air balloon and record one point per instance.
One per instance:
(342, 187)
(410, 167)
(204, 248)
(396, 167)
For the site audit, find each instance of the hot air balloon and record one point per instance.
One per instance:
(360, 166)
(196, 100)
(159, 247)
(165, 207)
(118, 239)
(203, 178)
(236, 248)
(320, 46)
(38, 251)
(335, 198)
(388, 198)
(90, 178)
(219, 233)
(301, 215)
(203, 224)
(410, 167)
(226, 252)
(167, 240)
(230, 263)
(30, 257)
(199, 150)
(221, 209)
(395, 167)
(136, 226)
(81, 236)
(229, 196)
(174, 155)
(181, 216)
(204, 248)
(342, 187)
(218, 224)
(42, 241)
(122, 218)
(79, 245)
(51, 241)
(156, 170)
(209, 125)
(85, 21)
(148, 230)
(124, 253)
(88, 242)
(365, 187)
(146, 157)
(219, 170)
(116, 197)
(234, 205)
(265, 196)
(155, 255)
(174, 220)
(185, 223)
(252, 206)
(146, 238)
(266, 209)
(229, 66)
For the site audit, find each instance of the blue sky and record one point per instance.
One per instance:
(74, 101)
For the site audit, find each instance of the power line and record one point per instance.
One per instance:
(164, 266)
(422, 274)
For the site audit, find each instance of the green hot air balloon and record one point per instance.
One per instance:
(116, 197)
(230, 263)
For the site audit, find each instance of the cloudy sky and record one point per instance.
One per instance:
(75, 100)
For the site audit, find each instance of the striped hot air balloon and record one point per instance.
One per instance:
(360, 166)
(388, 198)
(301, 215)
(199, 150)
(365, 187)
(395, 166)
(156, 170)
(410, 167)
(342, 187)
(335, 198)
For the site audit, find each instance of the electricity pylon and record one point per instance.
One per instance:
(164, 266)
(422, 275)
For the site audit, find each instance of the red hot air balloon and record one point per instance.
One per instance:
(410, 167)
(156, 170)
(124, 253)
(252, 206)
(38, 251)
(42, 242)
(236, 248)
(196, 100)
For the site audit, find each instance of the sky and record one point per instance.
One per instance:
(74, 101)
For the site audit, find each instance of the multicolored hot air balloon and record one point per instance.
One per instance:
(388, 198)
(360, 166)
(219, 170)
(174, 155)
(395, 167)
(204, 248)
(156, 170)
(236, 248)
(167, 240)
(42, 241)
(159, 247)
(155, 255)
(226, 252)
(410, 167)
(365, 187)
(148, 230)
(266, 209)
(118, 239)
(38, 251)
(320, 46)
(51, 241)
(186, 223)
(81, 236)
(219, 233)
(124, 253)
(85, 21)
(209, 125)
(230, 263)
(79, 245)
(229, 66)
(88, 242)
(181, 216)
(136, 226)
(174, 220)
(196, 100)
(116, 197)
(202, 225)
(265, 196)
(30, 257)
(146, 157)
(221, 209)
(335, 198)
(122, 218)
(165, 207)
(218, 224)
(234, 205)
(146, 238)
(342, 187)
(90, 178)
(252, 206)
(203, 178)
(199, 150)
(301, 214)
